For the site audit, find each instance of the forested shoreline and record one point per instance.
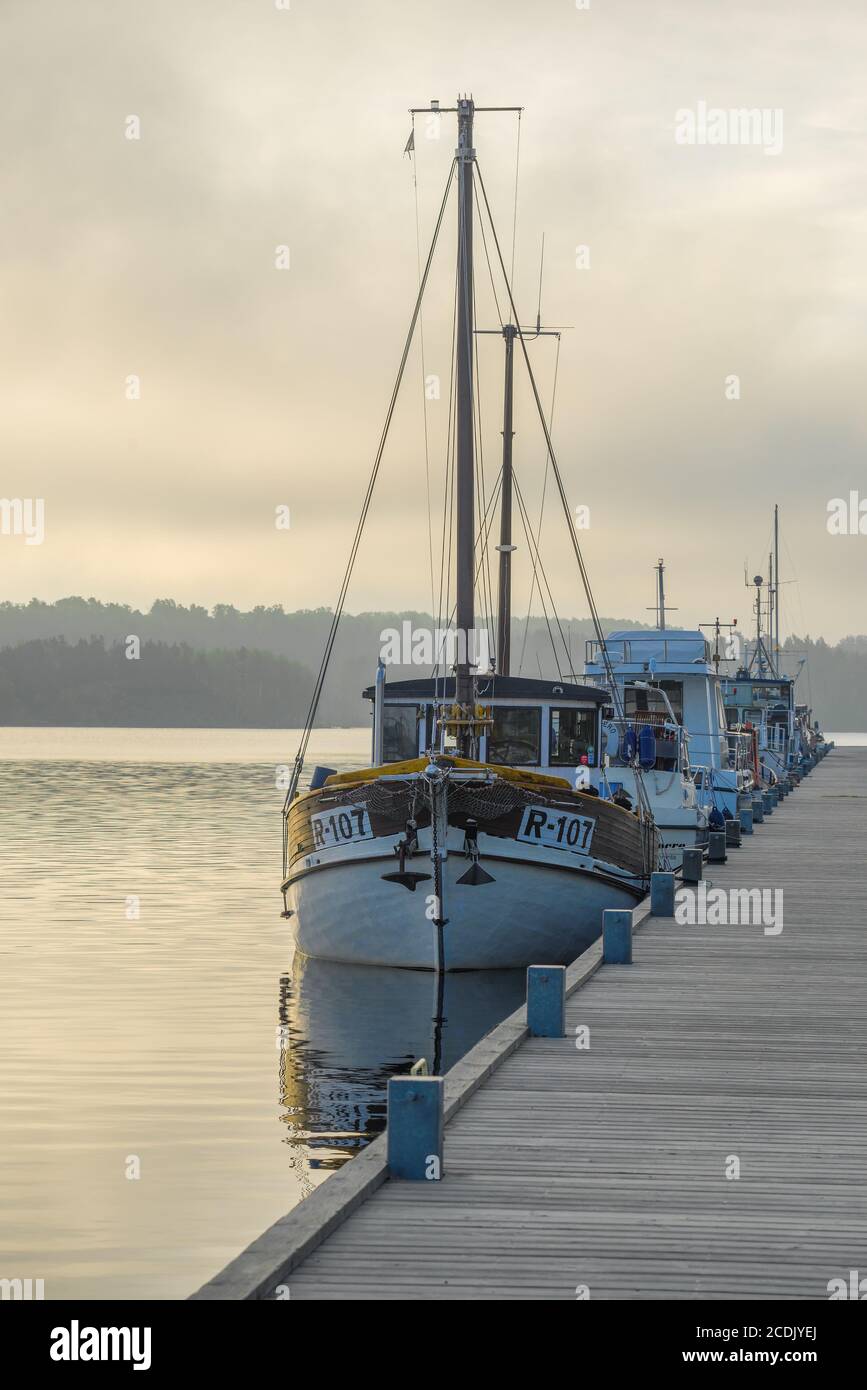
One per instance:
(80, 662)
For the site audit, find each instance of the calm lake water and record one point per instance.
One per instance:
(153, 1018)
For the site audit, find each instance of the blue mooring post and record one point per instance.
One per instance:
(415, 1127)
(617, 936)
(691, 869)
(733, 834)
(662, 895)
(745, 815)
(767, 803)
(758, 809)
(716, 847)
(546, 1001)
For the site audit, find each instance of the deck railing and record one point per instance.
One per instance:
(670, 739)
(740, 747)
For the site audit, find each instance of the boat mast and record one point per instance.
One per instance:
(659, 607)
(505, 548)
(465, 486)
(660, 594)
(777, 581)
(772, 598)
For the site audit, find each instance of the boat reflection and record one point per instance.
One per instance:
(345, 1029)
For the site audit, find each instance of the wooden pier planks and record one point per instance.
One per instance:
(606, 1168)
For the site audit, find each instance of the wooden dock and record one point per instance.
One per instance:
(608, 1172)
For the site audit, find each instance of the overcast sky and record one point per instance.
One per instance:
(261, 386)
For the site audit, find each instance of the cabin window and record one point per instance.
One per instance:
(644, 701)
(399, 733)
(573, 736)
(515, 738)
(674, 691)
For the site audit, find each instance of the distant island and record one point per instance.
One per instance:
(80, 662)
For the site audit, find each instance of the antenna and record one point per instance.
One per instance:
(717, 627)
(659, 608)
(760, 656)
(541, 267)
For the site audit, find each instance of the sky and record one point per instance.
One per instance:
(263, 387)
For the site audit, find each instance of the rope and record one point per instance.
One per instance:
(585, 577)
(538, 560)
(423, 374)
(341, 599)
(541, 506)
(515, 213)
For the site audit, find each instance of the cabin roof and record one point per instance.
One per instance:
(655, 634)
(493, 687)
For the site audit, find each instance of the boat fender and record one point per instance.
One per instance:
(630, 745)
(647, 747)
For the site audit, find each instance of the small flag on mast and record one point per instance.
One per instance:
(410, 144)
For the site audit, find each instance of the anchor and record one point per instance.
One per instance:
(408, 845)
(475, 874)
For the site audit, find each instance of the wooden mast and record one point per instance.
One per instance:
(465, 485)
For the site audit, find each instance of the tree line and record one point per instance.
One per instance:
(65, 663)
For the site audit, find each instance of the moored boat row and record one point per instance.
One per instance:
(499, 815)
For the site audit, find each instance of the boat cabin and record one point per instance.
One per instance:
(767, 703)
(678, 663)
(543, 726)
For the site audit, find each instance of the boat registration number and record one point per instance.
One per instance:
(544, 825)
(340, 827)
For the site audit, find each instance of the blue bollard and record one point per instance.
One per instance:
(733, 834)
(546, 1001)
(746, 818)
(662, 895)
(767, 803)
(415, 1127)
(691, 867)
(617, 936)
(758, 809)
(716, 847)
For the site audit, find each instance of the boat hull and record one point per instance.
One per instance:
(531, 913)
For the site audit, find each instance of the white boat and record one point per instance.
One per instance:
(696, 770)
(475, 839)
(759, 696)
(524, 862)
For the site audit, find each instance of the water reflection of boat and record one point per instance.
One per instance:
(345, 1029)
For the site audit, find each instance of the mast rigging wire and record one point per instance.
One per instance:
(368, 496)
(423, 371)
(542, 503)
(647, 820)
(515, 212)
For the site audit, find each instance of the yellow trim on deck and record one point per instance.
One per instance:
(415, 765)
